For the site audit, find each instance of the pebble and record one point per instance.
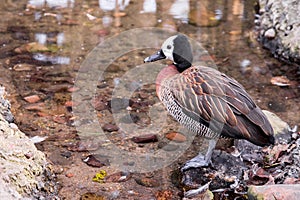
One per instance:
(13, 126)
(69, 175)
(32, 98)
(167, 147)
(118, 177)
(110, 127)
(270, 33)
(147, 182)
(145, 138)
(100, 161)
(279, 126)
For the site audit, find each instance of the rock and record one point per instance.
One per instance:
(35, 107)
(5, 107)
(96, 161)
(110, 127)
(269, 192)
(25, 172)
(279, 126)
(145, 138)
(118, 177)
(147, 182)
(270, 33)
(279, 28)
(32, 98)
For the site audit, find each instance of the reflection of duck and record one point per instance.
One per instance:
(52, 3)
(205, 13)
(109, 5)
(207, 101)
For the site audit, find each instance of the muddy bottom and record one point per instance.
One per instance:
(44, 49)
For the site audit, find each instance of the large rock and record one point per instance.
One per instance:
(24, 171)
(279, 26)
(273, 192)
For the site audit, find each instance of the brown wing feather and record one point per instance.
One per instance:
(214, 97)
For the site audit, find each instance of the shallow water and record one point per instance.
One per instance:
(44, 44)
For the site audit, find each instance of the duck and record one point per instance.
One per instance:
(207, 101)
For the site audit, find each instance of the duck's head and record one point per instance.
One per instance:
(176, 48)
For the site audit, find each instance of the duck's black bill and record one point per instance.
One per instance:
(158, 56)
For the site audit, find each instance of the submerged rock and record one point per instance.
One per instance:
(279, 27)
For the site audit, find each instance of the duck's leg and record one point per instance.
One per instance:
(200, 160)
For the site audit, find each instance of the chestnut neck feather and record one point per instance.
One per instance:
(165, 73)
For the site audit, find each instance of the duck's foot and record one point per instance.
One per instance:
(196, 162)
(199, 190)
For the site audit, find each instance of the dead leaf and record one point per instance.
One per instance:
(281, 81)
(177, 137)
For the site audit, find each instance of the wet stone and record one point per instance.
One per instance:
(132, 118)
(32, 98)
(167, 147)
(35, 107)
(118, 177)
(96, 161)
(147, 182)
(118, 104)
(145, 138)
(291, 192)
(110, 127)
(83, 145)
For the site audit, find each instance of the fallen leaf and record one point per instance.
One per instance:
(276, 151)
(177, 137)
(23, 67)
(281, 81)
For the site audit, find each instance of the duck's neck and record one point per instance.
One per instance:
(165, 73)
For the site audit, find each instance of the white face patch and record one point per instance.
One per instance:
(168, 47)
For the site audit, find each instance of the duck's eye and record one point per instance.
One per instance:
(169, 47)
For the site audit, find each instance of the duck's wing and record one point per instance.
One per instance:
(211, 98)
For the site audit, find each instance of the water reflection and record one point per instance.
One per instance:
(41, 38)
(180, 10)
(52, 59)
(149, 6)
(52, 3)
(50, 38)
(109, 5)
(206, 13)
